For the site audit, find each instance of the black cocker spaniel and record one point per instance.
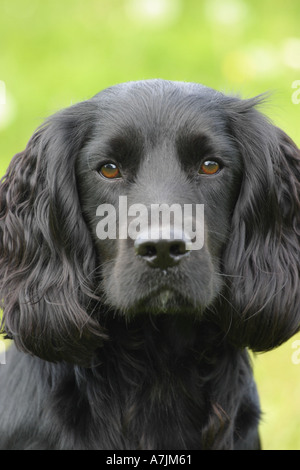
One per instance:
(124, 342)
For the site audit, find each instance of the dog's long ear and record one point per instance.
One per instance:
(262, 259)
(47, 261)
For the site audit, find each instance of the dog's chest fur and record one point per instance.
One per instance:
(155, 389)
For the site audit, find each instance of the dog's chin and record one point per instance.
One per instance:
(165, 301)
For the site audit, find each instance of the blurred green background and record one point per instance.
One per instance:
(56, 52)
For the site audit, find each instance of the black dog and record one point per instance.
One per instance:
(140, 344)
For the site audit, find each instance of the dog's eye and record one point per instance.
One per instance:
(209, 167)
(110, 171)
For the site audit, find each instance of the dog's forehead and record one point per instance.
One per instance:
(154, 89)
(160, 105)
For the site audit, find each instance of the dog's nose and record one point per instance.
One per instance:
(162, 253)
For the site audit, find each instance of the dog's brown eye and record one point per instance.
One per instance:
(209, 167)
(110, 171)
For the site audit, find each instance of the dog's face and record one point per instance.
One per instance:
(171, 149)
(151, 143)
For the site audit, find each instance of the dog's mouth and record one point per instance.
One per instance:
(153, 291)
(164, 301)
(166, 297)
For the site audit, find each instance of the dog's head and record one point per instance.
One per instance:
(76, 213)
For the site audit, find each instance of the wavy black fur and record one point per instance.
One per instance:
(101, 359)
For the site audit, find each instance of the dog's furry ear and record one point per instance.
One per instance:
(262, 259)
(47, 260)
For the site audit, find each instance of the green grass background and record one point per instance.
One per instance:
(57, 52)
